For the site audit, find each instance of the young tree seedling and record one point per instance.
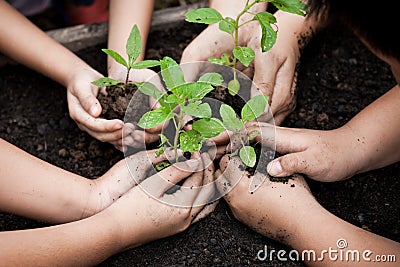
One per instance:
(182, 98)
(133, 50)
(252, 110)
(245, 54)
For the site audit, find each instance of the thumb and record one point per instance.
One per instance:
(288, 165)
(89, 102)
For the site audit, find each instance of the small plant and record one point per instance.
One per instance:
(133, 50)
(182, 98)
(231, 26)
(252, 110)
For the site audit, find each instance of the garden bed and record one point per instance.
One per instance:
(338, 77)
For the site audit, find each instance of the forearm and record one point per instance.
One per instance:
(375, 130)
(327, 235)
(29, 45)
(83, 243)
(36, 189)
(124, 14)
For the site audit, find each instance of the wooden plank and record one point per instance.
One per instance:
(79, 37)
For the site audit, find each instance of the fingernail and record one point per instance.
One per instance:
(94, 110)
(118, 126)
(274, 168)
(192, 163)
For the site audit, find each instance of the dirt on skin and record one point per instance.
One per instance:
(338, 77)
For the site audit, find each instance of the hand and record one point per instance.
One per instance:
(273, 209)
(147, 212)
(84, 108)
(132, 136)
(326, 156)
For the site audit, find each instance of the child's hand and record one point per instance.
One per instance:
(326, 156)
(147, 212)
(85, 109)
(274, 209)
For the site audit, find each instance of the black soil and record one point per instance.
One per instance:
(338, 77)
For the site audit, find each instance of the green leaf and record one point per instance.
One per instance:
(253, 134)
(227, 25)
(171, 73)
(229, 118)
(155, 117)
(145, 64)
(162, 165)
(134, 45)
(163, 139)
(208, 128)
(173, 99)
(203, 15)
(291, 6)
(160, 151)
(150, 90)
(244, 54)
(190, 141)
(117, 57)
(248, 155)
(212, 78)
(254, 108)
(196, 110)
(269, 35)
(193, 90)
(104, 82)
(224, 60)
(233, 87)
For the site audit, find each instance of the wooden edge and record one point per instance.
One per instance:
(80, 37)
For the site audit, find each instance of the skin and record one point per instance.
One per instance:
(95, 218)
(273, 72)
(44, 53)
(288, 213)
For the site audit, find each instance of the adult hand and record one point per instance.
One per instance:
(151, 211)
(273, 209)
(326, 156)
(85, 109)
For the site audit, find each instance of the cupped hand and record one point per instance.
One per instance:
(157, 207)
(274, 209)
(326, 156)
(85, 109)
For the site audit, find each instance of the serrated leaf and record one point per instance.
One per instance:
(117, 57)
(104, 82)
(248, 155)
(229, 118)
(145, 64)
(227, 25)
(190, 141)
(149, 89)
(244, 54)
(208, 128)
(134, 45)
(213, 78)
(254, 108)
(233, 87)
(200, 111)
(203, 15)
(171, 73)
(155, 117)
(269, 35)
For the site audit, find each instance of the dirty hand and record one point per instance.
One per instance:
(132, 136)
(149, 212)
(273, 209)
(325, 156)
(85, 109)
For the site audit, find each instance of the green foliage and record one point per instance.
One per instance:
(245, 55)
(133, 50)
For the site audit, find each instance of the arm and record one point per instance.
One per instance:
(288, 213)
(123, 225)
